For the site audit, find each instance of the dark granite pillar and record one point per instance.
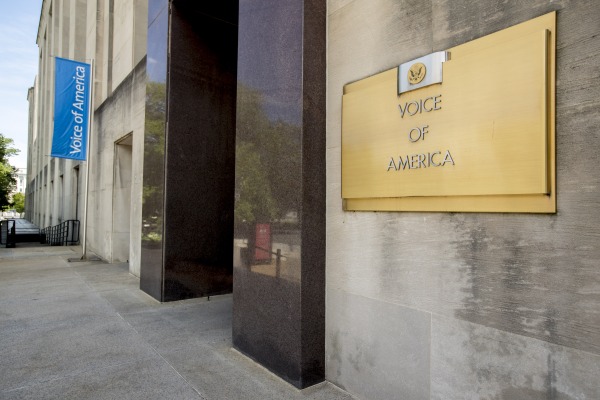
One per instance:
(279, 243)
(189, 149)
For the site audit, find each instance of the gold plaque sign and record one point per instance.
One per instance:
(480, 140)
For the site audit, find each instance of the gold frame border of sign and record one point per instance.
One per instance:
(531, 203)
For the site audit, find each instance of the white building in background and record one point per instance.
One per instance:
(21, 180)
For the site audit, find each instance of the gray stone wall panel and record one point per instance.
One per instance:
(470, 361)
(534, 278)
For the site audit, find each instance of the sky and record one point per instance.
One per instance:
(18, 67)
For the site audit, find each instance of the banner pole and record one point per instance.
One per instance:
(88, 158)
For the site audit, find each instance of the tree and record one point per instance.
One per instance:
(8, 173)
(18, 202)
(154, 163)
(268, 182)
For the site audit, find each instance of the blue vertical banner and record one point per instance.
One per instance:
(71, 109)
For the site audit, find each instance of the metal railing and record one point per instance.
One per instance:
(63, 234)
(8, 233)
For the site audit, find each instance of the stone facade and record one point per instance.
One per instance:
(112, 35)
(459, 305)
(417, 305)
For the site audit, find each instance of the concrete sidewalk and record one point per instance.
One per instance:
(22, 226)
(84, 330)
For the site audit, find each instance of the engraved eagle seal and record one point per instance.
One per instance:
(416, 73)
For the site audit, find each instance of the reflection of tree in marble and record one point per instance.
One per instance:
(267, 163)
(154, 150)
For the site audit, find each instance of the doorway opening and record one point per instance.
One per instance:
(121, 210)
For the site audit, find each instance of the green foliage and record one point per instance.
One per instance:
(154, 144)
(7, 171)
(256, 201)
(154, 152)
(267, 183)
(18, 202)
(267, 179)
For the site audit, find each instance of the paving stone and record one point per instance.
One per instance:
(86, 331)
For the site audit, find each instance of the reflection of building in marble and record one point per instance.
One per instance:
(215, 118)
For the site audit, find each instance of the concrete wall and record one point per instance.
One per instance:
(116, 181)
(116, 39)
(129, 38)
(112, 33)
(117, 44)
(458, 305)
(52, 193)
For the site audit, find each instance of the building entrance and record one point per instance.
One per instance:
(189, 149)
(121, 210)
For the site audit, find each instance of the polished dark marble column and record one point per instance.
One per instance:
(189, 149)
(279, 243)
(151, 274)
